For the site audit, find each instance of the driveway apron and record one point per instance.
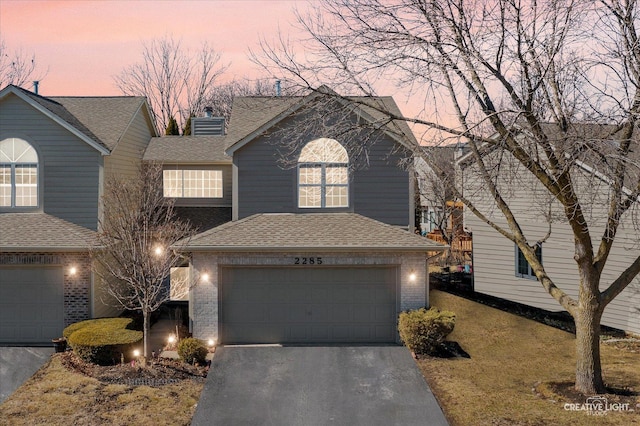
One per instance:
(17, 364)
(307, 386)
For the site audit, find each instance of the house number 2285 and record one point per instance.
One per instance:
(307, 261)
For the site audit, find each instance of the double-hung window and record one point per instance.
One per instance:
(523, 268)
(323, 175)
(18, 174)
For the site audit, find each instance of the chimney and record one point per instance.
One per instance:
(36, 83)
(208, 112)
(278, 91)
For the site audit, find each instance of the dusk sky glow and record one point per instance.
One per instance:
(80, 45)
(83, 44)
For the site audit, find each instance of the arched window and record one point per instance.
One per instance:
(18, 174)
(323, 175)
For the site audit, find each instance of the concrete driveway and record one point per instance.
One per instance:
(17, 364)
(307, 386)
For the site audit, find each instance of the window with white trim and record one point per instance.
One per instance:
(523, 268)
(323, 175)
(18, 174)
(192, 183)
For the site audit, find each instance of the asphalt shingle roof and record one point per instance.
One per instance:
(41, 232)
(249, 114)
(252, 112)
(104, 119)
(107, 117)
(187, 149)
(330, 231)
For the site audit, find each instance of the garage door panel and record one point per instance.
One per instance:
(276, 314)
(320, 312)
(295, 293)
(320, 295)
(363, 314)
(340, 313)
(31, 304)
(298, 313)
(384, 332)
(307, 305)
(383, 314)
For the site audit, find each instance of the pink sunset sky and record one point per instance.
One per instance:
(83, 44)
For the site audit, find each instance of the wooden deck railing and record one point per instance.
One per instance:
(461, 243)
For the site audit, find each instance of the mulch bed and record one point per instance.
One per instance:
(157, 372)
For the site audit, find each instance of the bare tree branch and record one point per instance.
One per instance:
(175, 81)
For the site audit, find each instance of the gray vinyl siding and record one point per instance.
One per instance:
(227, 186)
(127, 155)
(379, 190)
(69, 168)
(494, 256)
(382, 190)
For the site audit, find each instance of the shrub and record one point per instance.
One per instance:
(191, 349)
(102, 341)
(422, 330)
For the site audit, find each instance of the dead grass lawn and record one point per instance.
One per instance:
(510, 355)
(57, 396)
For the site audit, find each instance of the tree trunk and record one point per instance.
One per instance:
(145, 331)
(588, 366)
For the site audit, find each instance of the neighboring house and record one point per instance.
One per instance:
(440, 215)
(500, 268)
(319, 250)
(55, 154)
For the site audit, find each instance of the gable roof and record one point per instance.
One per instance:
(29, 232)
(253, 115)
(309, 231)
(187, 149)
(100, 121)
(593, 144)
(106, 117)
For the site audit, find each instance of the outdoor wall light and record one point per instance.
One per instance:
(73, 270)
(158, 250)
(412, 276)
(204, 277)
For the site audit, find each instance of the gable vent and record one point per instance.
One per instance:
(207, 126)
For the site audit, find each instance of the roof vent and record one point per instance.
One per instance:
(207, 126)
(208, 112)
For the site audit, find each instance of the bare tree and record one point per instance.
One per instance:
(175, 81)
(17, 67)
(139, 241)
(546, 94)
(220, 98)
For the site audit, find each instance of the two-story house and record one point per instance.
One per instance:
(312, 243)
(55, 154)
(319, 250)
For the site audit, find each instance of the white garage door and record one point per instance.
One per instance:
(31, 304)
(308, 305)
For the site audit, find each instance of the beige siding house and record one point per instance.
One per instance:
(495, 258)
